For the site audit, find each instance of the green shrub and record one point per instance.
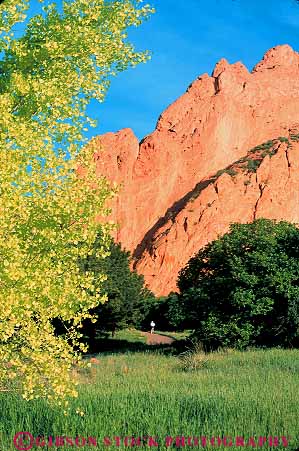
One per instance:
(243, 289)
(168, 313)
(230, 171)
(220, 172)
(265, 145)
(252, 165)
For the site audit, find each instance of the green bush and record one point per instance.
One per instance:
(265, 145)
(243, 289)
(283, 139)
(252, 165)
(169, 314)
(230, 171)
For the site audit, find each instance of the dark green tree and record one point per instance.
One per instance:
(243, 289)
(168, 313)
(128, 298)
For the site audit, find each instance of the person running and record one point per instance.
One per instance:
(152, 327)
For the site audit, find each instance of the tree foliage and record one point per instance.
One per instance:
(243, 289)
(168, 313)
(128, 298)
(48, 76)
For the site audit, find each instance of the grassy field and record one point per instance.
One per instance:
(147, 393)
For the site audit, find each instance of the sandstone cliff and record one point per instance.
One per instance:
(173, 198)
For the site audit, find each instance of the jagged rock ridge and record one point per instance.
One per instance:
(173, 198)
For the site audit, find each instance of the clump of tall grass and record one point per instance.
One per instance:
(194, 358)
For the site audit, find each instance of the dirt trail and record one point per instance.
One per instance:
(156, 339)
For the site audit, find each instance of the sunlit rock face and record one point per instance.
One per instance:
(171, 201)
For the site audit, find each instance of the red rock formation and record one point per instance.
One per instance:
(270, 192)
(211, 126)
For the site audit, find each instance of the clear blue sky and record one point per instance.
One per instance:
(187, 38)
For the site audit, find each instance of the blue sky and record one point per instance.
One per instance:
(187, 38)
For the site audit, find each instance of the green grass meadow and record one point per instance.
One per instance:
(153, 392)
